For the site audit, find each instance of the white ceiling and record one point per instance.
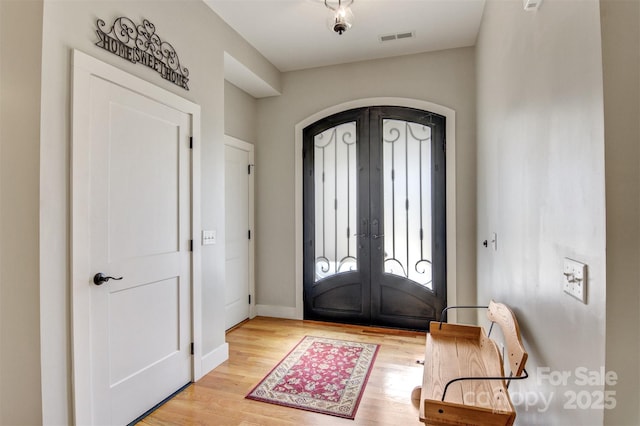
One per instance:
(295, 34)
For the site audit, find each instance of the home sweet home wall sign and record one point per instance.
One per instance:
(140, 44)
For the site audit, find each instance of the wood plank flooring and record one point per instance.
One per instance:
(258, 345)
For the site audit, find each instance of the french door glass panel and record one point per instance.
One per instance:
(335, 178)
(407, 200)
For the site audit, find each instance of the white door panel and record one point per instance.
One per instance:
(143, 169)
(140, 227)
(160, 322)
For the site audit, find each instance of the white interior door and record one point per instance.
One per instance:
(239, 247)
(138, 219)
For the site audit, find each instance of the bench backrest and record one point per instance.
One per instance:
(504, 317)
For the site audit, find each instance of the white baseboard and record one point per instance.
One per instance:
(215, 358)
(276, 311)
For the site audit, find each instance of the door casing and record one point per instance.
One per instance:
(85, 68)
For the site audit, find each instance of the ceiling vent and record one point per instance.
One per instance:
(531, 4)
(396, 36)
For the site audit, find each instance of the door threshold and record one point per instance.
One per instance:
(240, 324)
(158, 405)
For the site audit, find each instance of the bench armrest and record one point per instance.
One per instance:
(459, 379)
(457, 307)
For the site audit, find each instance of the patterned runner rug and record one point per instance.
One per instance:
(323, 375)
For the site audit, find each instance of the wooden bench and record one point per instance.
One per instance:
(464, 381)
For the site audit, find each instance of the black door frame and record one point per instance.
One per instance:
(370, 207)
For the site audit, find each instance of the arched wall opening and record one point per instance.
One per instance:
(450, 116)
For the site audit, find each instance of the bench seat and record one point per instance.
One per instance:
(464, 381)
(463, 351)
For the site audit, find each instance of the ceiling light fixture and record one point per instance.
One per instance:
(342, 17)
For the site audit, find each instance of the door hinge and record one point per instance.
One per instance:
(249, 169)
(249, 299)
(190, 245)
(190, 142)
(249, 233)
(192, 348)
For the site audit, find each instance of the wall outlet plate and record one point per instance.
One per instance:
(574, 280)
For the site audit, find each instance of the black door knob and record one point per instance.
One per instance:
(100, 278)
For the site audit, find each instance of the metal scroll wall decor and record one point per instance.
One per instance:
(140, 44)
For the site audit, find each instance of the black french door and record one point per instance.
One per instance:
(374, 217)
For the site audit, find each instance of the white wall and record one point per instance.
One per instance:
(20, 47)
(541, 187)
(240, 114)
(200, 38)
(621, 67)
(446, 78)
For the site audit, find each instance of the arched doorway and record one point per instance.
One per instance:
(374, 234)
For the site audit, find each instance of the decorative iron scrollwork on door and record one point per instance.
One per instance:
(407, 204)
(335, 200)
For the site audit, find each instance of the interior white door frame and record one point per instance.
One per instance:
(84, 69)
(450, 116)
(246, 146)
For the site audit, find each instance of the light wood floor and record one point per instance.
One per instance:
(259, 344)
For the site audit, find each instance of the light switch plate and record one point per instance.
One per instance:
(575, 279)
(208, 237)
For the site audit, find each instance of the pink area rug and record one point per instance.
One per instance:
(327, 376)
